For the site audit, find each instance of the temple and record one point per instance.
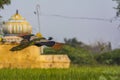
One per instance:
(15, 26)
(29, 57)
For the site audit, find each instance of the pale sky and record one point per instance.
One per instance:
(87, 31)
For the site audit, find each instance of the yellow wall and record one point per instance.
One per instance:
(30, 58)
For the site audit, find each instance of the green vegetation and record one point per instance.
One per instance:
(117, 8)
(4, 2)
(82, 54)
(82, 73)
(109, 58)
(86, 64)
(78, 56)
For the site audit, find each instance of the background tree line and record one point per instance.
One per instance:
(83, 54)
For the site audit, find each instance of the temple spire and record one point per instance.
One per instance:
(16, 11)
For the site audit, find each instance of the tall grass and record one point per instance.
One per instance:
(81, 73)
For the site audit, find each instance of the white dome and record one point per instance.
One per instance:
(17, 25)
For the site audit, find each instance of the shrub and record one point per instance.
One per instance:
(110, 58)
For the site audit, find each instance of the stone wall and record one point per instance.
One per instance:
(30, 58)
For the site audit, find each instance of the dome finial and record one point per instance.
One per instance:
(17, 11)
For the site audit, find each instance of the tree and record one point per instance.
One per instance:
(73, 42)
(117, 8)
(4, 2)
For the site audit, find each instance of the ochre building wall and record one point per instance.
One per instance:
(30, 57)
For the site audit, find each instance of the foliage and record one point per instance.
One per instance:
(78, 56)
(73, 42)
(4, 2)
(98, 47)
(117, 8)
(81, 73)
(81, 56)
(110, 58)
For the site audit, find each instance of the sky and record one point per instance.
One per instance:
(85, 30)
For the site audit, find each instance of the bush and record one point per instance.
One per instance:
(81, 56)
(109, 58)
(77, 56)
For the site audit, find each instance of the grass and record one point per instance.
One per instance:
(81, 73)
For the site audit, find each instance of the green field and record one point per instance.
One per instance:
(81, 73)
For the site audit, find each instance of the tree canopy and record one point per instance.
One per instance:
(4, 2)
(117, 8)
